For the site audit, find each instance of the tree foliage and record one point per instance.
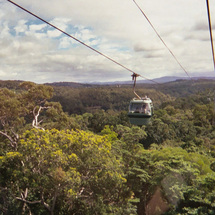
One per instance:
(91, 160)
(18, 108)
(65, 172)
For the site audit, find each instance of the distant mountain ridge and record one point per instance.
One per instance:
(69, 84)
(160, 80)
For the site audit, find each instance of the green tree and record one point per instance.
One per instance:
(65, 172)
(177, 172)
(12, 114)
(18, 108)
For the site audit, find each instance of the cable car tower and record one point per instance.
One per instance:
(140, 108)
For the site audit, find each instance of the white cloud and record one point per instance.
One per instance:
(21, 27)
(4, 33)
(65, 43)
(53, 33)
(37, 27)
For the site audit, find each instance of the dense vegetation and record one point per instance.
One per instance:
(72, 150)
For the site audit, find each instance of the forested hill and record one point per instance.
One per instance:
(71, 150)
(77, 98)
(181, 88)
(117, 97)
(178, 88)
(168, 87)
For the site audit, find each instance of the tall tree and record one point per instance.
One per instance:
(67, 172)
(23, 106)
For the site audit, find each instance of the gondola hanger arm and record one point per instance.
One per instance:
(134, 78)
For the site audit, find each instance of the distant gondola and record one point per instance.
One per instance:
(140, 111)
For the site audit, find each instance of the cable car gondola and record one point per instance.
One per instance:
(140, 109)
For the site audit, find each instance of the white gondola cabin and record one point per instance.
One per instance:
(140, 111)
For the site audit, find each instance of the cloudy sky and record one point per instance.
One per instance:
(32, 51)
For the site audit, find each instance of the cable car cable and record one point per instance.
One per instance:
(211, 38)
(79, 41)
(211, 33)
(161, 39)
